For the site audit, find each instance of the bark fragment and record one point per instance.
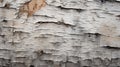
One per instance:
(32, 6)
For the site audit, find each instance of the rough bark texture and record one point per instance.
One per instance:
(59, 33)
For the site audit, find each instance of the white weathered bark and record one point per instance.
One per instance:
(59, 33)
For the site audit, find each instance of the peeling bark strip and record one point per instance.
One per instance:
(32, 6)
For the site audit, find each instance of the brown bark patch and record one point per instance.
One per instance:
(32, 6)
(108, 30)
(110, 37)
(1, 1)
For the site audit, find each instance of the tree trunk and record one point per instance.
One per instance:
(59, 33)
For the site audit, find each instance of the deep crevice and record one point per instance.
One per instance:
(103, 1)
(78, 10)
(4, 21)
(59, 23)
(32, 66)
(110, 47)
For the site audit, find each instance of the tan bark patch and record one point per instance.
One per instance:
(110, 37)
(1, 1)
(111, 41)
(108, 30)
(32, 6)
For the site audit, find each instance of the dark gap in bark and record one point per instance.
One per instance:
(4, 21)
(78, 10)
(110, 47)
(59, 23)
(7, 6)
(32, 66)
(103, 1)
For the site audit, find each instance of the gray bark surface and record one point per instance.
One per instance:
(59, 33)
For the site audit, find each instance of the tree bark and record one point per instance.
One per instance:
(59, 33)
